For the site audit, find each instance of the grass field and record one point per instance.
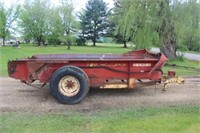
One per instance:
(9, 53)
(137, 120)
(192, 70)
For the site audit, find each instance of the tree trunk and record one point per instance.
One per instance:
(169, 50)
(3, 41)
(39, 42)
(125, 45)
(169, 43)
(166, 30)
(94, 42)
(68, 45)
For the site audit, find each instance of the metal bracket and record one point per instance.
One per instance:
(35, 86)
(166, 81)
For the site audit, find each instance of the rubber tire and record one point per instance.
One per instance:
(73, 71)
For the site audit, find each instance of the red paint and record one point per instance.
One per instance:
(171, 73)
(100, 68)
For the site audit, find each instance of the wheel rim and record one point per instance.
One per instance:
(69, 86)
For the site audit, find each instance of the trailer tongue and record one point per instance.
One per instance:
(71, 75)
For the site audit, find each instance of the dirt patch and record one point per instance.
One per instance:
(18, 97)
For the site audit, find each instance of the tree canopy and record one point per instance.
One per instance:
(68, 20)
(34, 20)
(158, 23)
(7, 17)
(188, 25)
(94, 20)
(43, 23)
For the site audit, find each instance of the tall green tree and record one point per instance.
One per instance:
(7, 17)
(187, 25)
(116, 24)
(132, 19)
(56, 28)
(34, 20)
(169, 24)
(165, 28)
(94, 20)
(68, 20)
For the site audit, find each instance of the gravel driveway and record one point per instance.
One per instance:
(18, 97)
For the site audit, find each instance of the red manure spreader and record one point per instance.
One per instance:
(71, 75)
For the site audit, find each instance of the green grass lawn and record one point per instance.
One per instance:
(137, 120)
(192, 70)
(27, 50)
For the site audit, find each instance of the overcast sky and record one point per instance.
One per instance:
(78, 4)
